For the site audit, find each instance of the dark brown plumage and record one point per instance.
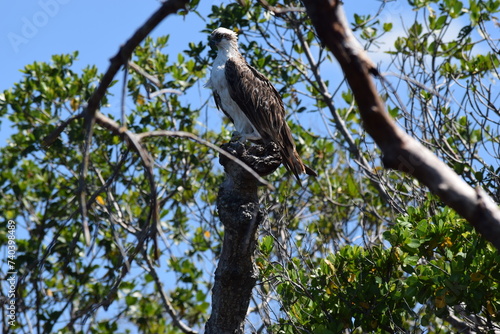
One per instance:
(252, 103)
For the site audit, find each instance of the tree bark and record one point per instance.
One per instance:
(241, 215)
(400, 151)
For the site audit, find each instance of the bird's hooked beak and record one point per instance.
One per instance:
(213, 42)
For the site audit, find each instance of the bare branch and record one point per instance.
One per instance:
(167, 133)
(135, 142)
(51, 138)
(240, 213)
(121, 58)
(165, 91)
(154, 80)
(341, 126)
(400, 151)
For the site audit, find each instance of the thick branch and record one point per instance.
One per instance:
(341, 126)
(400, 151)
(239, 212)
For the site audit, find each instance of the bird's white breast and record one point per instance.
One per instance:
(219, 84)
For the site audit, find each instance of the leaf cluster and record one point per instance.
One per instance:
(435, 266)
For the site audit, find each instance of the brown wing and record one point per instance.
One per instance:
(256, 97)
(262, 104)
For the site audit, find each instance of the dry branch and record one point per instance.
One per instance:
(400, 151)
(184, 134)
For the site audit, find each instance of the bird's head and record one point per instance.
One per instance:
(223, 38)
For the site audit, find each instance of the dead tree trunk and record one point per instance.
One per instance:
(241, 215)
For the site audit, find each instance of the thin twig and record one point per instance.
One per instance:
(154, 80)
(167, 133)
(124, 96)
(165, 91)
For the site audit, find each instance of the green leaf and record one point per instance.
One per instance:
(267, 245)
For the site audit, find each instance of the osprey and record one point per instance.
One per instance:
(250, 101)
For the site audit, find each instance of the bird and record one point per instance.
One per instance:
(251, 101)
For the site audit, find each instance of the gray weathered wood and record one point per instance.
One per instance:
(241, 215)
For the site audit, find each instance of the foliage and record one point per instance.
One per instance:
(40, 185)
(435, 261)
(358, 249)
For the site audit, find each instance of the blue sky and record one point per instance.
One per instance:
(34, 30)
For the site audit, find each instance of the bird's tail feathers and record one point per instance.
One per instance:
(310, 171)
(295, 164)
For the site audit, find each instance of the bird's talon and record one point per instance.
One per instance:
(237, 137)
